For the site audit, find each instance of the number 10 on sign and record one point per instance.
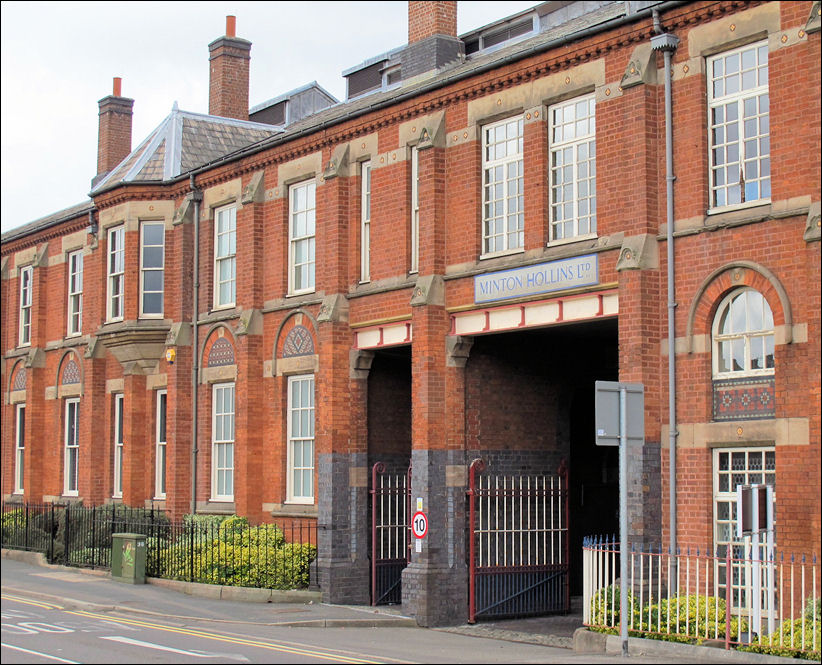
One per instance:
(419, 524)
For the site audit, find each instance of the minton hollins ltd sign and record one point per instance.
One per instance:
(541, 278)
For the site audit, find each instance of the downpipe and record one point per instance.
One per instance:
(197, 197)
(668, 43)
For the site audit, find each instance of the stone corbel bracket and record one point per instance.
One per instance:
(338, 164)
(185, 213)
(812, 224)
(179, 334)
(814, 22)
(429, 290)
(95, 349)
(250, 322)
(41, 259)
(641, 68)
(638, 253)
(457, 350)
(254, 192)
(36, 358)
(359, 363)
(334, 309)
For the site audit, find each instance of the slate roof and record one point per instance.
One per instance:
(181, 143)
(49, 220)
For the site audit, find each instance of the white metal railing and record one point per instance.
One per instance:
(687, 595)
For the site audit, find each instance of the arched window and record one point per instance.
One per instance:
(743, 338)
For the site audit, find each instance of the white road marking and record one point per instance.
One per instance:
(160, 647)
(37, 653)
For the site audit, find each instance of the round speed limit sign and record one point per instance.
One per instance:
(419, 524)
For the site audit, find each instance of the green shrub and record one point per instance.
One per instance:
(237, 554)
(781, 640)
(607, 598)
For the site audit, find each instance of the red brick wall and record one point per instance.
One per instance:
(426, 19)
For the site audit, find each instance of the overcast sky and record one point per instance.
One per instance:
(59, 59)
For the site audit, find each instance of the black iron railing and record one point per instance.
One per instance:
(205, 549)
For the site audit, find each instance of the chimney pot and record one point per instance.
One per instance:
(118, 87)
(230, 26)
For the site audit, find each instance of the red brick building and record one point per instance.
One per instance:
(263, 305)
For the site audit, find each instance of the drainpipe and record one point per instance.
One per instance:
(667, 43)
(197, 197)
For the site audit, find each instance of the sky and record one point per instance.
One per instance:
(59, 59)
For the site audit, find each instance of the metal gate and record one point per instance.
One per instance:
(390, 533)
(518, 548)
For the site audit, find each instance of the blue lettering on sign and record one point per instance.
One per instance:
(542, 278)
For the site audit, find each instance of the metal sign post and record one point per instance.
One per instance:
(620, 417)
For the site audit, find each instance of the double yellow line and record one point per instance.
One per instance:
(37, 603)
(324, 655)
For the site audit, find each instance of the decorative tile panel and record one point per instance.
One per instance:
(298, 343)
(19, 379)
(744, 399)
(221, 353)
(71, 372)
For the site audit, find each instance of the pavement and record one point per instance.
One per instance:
(26, 574)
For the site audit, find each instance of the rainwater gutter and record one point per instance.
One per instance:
(667, 43)
(197, 197)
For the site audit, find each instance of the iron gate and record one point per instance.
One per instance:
(518, 548)
(390, 533)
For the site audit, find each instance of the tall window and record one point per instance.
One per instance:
(738, 107)
(365, 222)
(503, 191)
(301, 439)
(160, 457)
(733, 467)
(301, 230)
(415, 210)
(118, 445)
(225, 259)
(75, 293)
(19, 447)
(222, 438)
(152, 260)
(71, 457)
(116, 272)
(743, 335)
(25, 305)
(573, 169)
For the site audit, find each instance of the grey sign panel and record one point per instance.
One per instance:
(606, 402)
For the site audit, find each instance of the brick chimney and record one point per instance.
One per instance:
(432, 39)
(229, 58)
(426, 19)
(114, 135)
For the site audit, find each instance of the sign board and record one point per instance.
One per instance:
(607, 412)
(754, 509)
(419, 524)
(541, 278)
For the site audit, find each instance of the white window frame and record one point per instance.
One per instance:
(724, 520)
(497, 178)
(365, 222)
(119, 414)
(299, 437)
(115, 297)
(19, 447)
(572, 170)
(145, 271)
(415, 210)
(26, 291)
(222, 441)
(748, 338)
(745, 143)
(161, 441)
(225, 256)
(71, 448)
(74, 261)
(302, 233)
